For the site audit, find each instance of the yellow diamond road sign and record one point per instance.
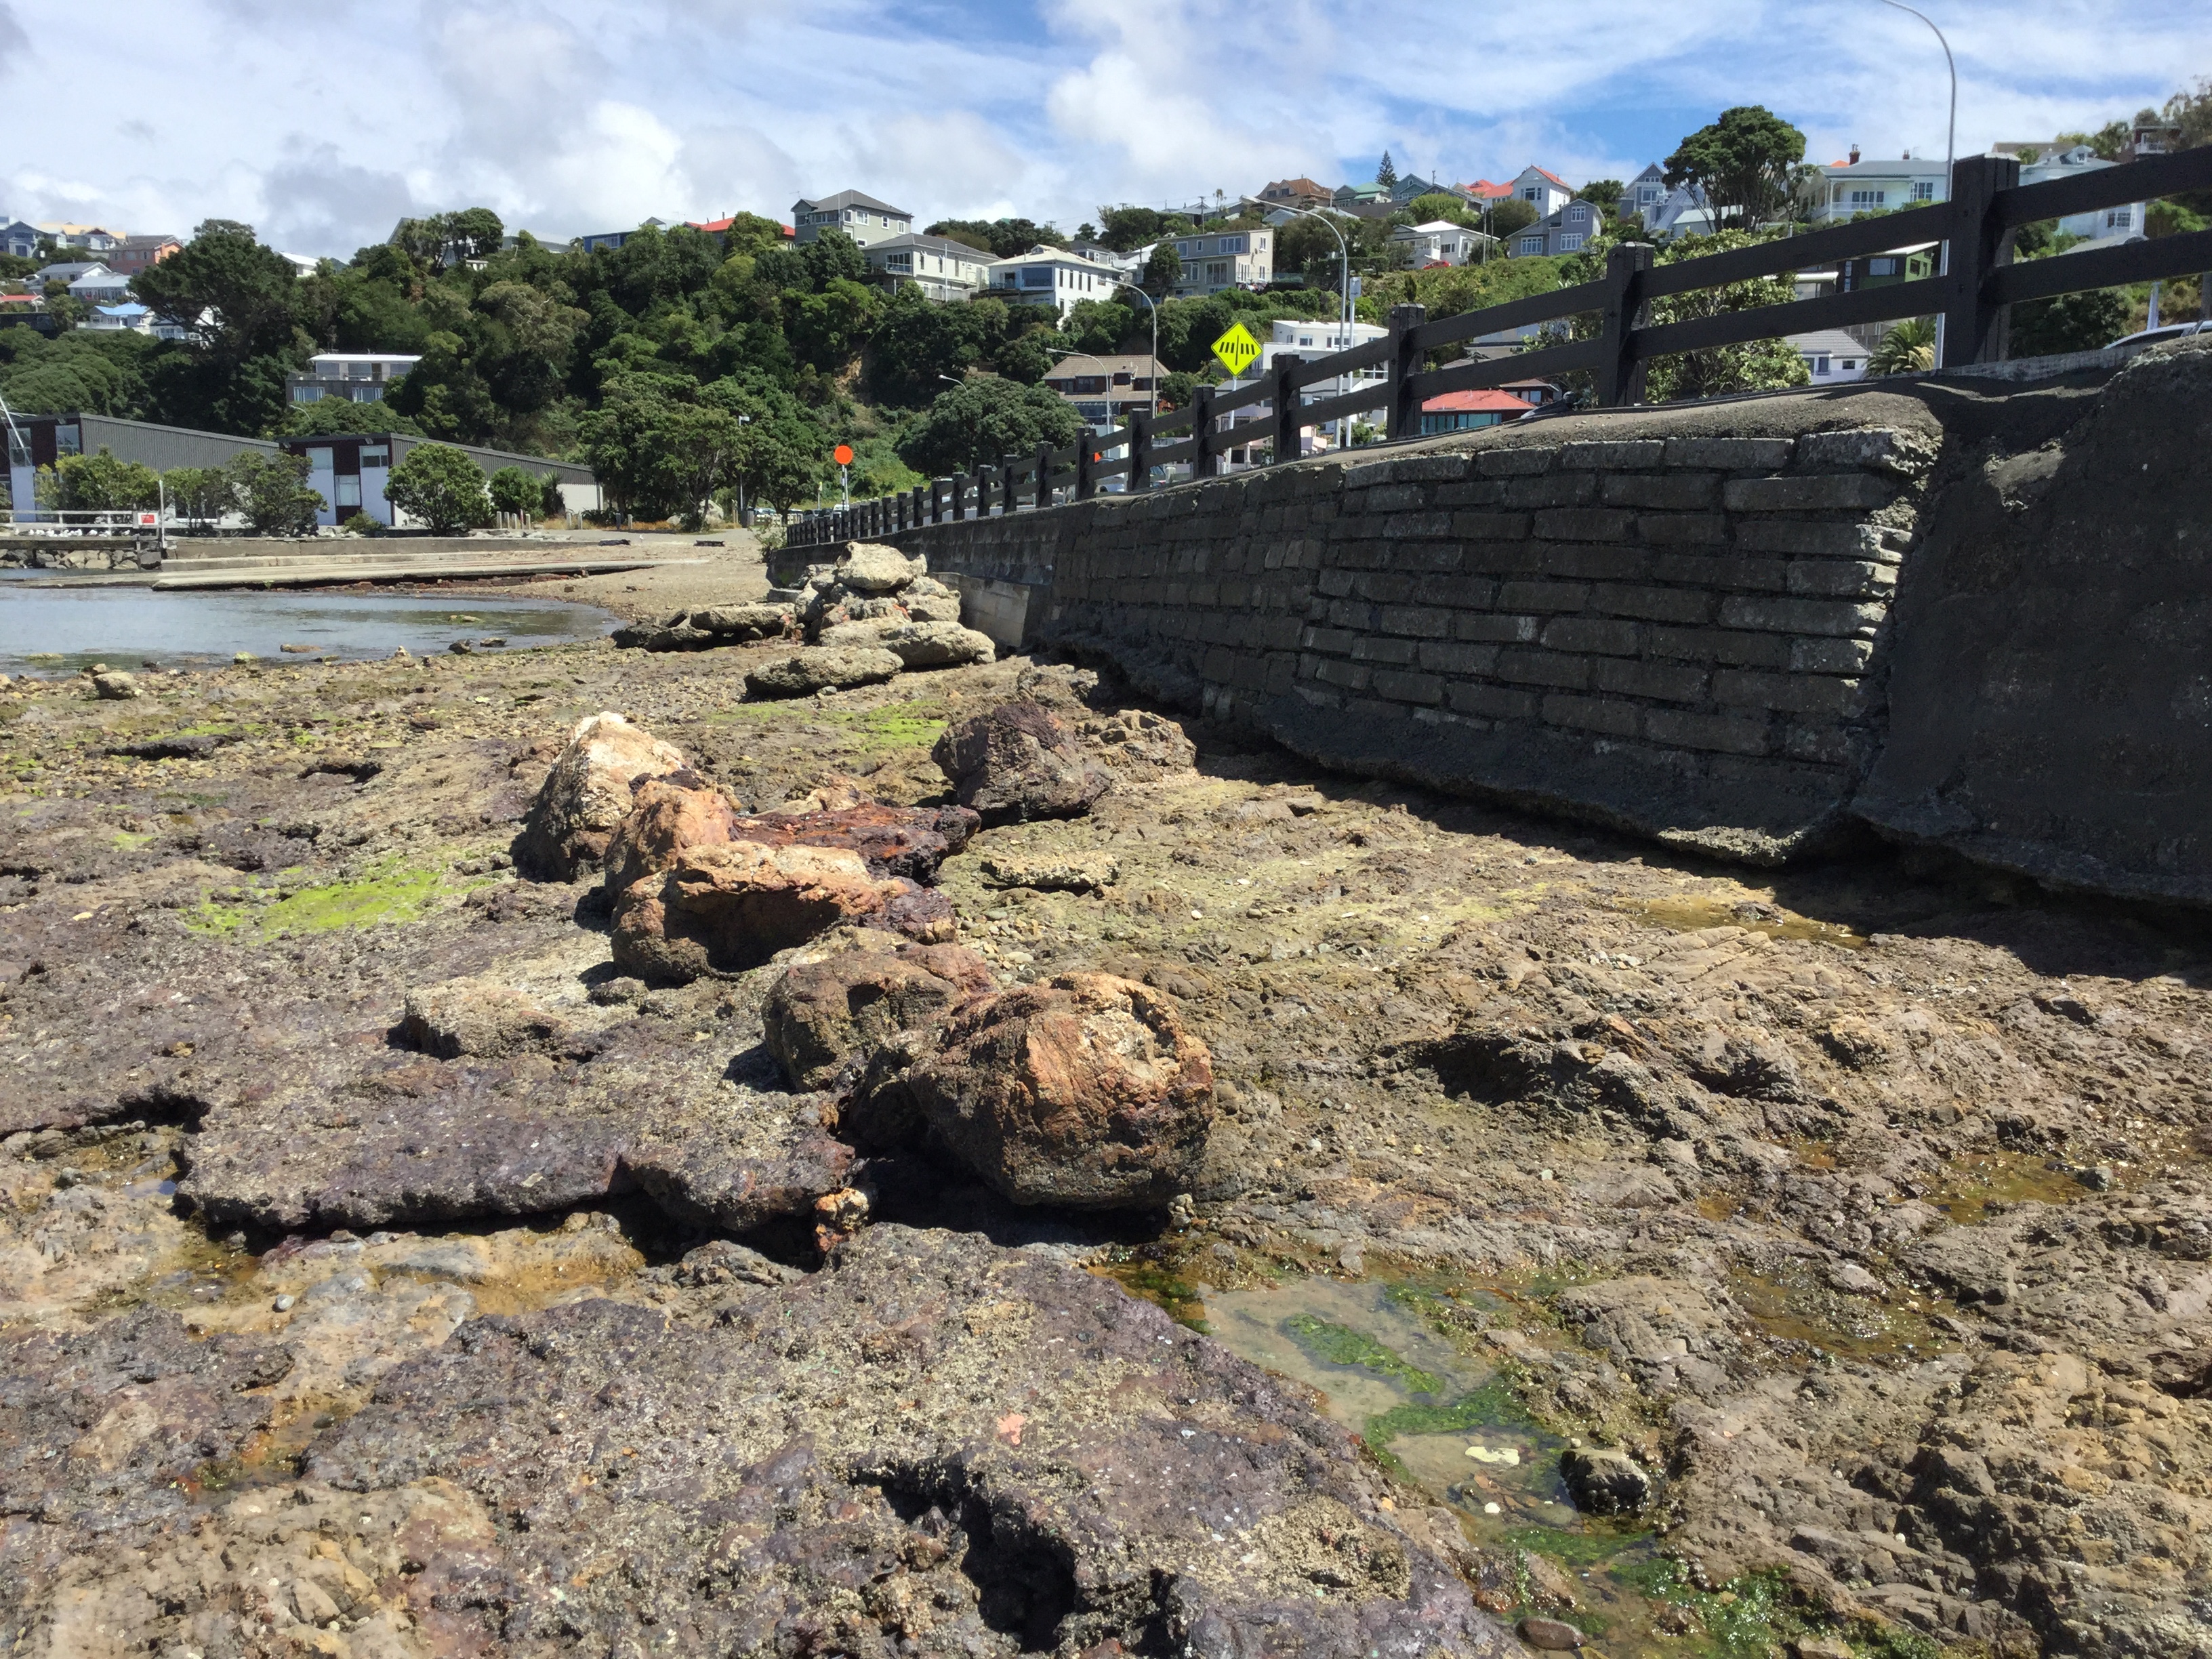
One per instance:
(1237, 349)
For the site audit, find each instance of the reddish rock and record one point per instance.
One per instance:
(1086, 1092)
(1018, 761)
(587, 796)
(820, 1014)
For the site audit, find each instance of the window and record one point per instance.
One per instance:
(1578, 216)
(1924, 190)
(1861, 199)
(1532, 194)
(1821, 363)
(375, 458)
(1884, 266)
(306, 394)
(1034, 276)
(1531, 244)
(2120, 219)
(1568, 244)
(1646, 197)
(348, 490)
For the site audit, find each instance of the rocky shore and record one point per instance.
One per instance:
(699, 1149)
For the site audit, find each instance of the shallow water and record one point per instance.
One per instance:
(58, 630)
(1450, 1423)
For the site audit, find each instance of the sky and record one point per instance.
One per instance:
(323, 123)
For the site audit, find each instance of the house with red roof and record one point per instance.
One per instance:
(1464, 411)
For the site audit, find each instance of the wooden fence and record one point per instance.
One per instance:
(1977, 283)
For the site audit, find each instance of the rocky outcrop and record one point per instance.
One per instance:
(1019, 762)
(1603, 1481)
(699, 887)
(1087, 1093)
(821, 1014)
(586, 795)
(710, 626)
(475, 1017)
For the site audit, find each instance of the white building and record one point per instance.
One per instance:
(1215, 260)
(130, 318)
(1439, 242)
(359, 377)
(1832, 356)
(1666, 213)
(93, 285)
(1545, 192)
(2107, 226)
(1051, 276)
(861, 217)
(1857, 186)
(942, 269)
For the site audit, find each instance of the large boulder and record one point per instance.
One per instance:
(1086, 1092)
(586, 795)
(937, 644)
(930, 600)
(820, 1014)
(838, 670)
(475, 1017)
(698, 887)
(1018, 761)
(872, 567)
(731, 622)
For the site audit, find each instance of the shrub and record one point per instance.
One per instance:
(518, 490)
(440, 485)
(272, 491)
(361, 525)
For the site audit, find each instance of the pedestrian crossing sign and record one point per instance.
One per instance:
(1237, 349)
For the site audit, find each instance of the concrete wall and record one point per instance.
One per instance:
(1750, 628)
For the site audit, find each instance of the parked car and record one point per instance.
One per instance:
(2170, 331)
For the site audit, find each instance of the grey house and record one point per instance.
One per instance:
(861, 217)
(1567, 231)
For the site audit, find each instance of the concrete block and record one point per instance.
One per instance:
(1494, 702)
(1792, 694)
(1830, 656)
(1330, 641)
(1442, 657)
(1821, 492)
(1602, 455)
(1598, 559)
(1730, 572)
(1527, 667)
(1549, 596)
(1589, 523)
(1683, 529)
(1618, 719)
(1836, 618)
(1455, 591)
(1351, 677)
(1401, 687)
(1810, 537)
(1475, 492)
(1416, 622)
(1666, 682)
(1372, 648)
(1607, 638)
(1678, 491)
(1506, 629)
(1429, 469)
(1554, 490)
(1337, 583)
(1730, 454)
(1424, 557)
(1726, 734)
(1873, 448)
(1399, 526)
(1490, 526)
(1519, 462)
(1383, 587)
(1843, 579)
(1670, 604)
(1720, 645)
(1827, 744)
(1350, 613)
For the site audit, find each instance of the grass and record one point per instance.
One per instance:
(392, 891)
(1340, 1345)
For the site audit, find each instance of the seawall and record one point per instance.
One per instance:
(1962, 614)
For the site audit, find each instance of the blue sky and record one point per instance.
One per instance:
(322, 122)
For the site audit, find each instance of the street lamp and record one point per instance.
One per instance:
(1155, 310)
(1344, 262)
(1950, 145)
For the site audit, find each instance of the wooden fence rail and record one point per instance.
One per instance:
(1976, 282)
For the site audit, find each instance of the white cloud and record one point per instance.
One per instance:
(321, 124)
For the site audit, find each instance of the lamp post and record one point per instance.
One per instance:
(1155, 310)
(1950, 143)
(1344, 262)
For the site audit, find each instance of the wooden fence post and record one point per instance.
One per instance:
(1289, 427)
(937, 499)
(959, 496)
(1974, 331)
(1006, 464)
(1140, 447)
(1619, 371)
(1083, 487)
(1403, 419)
(1043, 476)
(1204, 461)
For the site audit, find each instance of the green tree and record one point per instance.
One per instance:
(236, 295)
(1001, 238)
(271, 491)
(1742, 162)
(200, 494)
(985, 418)
(1386, 172)
(440, 485)
(1432, 205)
(1602, 192)
(1512, 214)
(327, 416)
(518, 490)
(1126, 229)
(833, 257)
(1162, 271)
(829, 328)
(101, 483)
(1753, 366)
(1907, 348)
(2068, 322)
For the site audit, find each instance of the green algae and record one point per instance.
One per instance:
(389, 892)
(1332, 1344)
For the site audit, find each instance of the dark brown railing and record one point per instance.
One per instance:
(1975, 283)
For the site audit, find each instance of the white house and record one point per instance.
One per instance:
(1439, 242)
(1667, 213)
(2122, 223)
(1855, 186)
(130, 318)
(1051, 276)
(861, 216)
(1545, 192)
(99, 287)
(1832, 356)
(942, 269)
(1219, 259)
(359, 377)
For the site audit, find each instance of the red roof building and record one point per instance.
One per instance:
(1464, 411)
